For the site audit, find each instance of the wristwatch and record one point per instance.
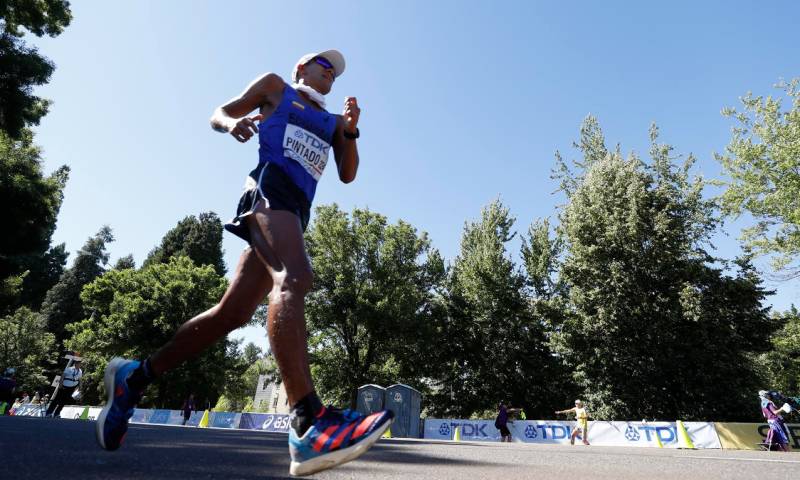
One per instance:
(351, 136)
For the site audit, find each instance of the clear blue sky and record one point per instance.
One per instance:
(462, 102)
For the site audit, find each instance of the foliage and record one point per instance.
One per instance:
(42, 272)
(540, 255)
(199, 238)
(242, 379)
(781, 365)
(125, 262)
(492, 348)
(21, 66)
(62, 304)
(29, 225)
(653, 329)
(39, 17)
(26, 346)
(763, 163)
(369, 312)
(137, 311)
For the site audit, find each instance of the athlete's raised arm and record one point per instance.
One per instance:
(344, 140)
(232, 116)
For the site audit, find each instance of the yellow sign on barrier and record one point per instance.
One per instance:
(749, 436)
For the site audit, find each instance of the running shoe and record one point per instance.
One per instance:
(335, 437)
(112, 423)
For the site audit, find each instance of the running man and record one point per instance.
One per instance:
(582, 419)
(295, 135)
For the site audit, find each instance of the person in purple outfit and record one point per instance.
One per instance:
(777, 429)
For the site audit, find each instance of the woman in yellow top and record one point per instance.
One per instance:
(582, 417)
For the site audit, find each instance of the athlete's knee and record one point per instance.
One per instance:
(296, 282)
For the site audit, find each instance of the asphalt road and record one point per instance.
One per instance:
(44, 448)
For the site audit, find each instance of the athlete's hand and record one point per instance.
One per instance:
(350, 114)
(246, 127)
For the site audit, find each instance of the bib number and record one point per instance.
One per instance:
(307, 149)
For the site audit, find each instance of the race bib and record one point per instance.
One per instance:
(307, 149)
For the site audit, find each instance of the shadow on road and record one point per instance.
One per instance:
(42, 448)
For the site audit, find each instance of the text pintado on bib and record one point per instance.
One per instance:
(307, 149)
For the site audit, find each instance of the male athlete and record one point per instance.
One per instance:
(296, 135)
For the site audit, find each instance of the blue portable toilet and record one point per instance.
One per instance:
(406, 403)
(370, 399)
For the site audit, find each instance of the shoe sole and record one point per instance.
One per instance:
(338, 457)
(108, 380)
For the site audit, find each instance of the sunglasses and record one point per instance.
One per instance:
(324, 62)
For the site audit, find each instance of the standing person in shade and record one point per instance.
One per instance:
(501, 421)
(777, 428)
(296, 136)
(8, 388)
(70, 380)
(188, 408)
(582, 419)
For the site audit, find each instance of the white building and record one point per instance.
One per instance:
(272, 395)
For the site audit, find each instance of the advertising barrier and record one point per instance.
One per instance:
(30, 410)
(623, 434)
(224, 419)
(749, 436)
(725, 435)
(268, 422)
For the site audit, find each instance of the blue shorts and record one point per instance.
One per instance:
(268, 182)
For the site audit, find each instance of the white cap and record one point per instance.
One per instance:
(333, 56)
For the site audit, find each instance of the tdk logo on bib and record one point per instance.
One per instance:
(306, 149)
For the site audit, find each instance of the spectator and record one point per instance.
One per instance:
(501, 422)
(582, 418)
(8, 386)
(69, 382)
(777, 429)
(17, 404)
(188, 408)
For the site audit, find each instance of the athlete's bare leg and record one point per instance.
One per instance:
(247, 290)
(277, 237)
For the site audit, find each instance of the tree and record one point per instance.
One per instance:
(125, 262)
(42, 272)
(135, 312)
(199, 238)
(369, 312)
(647, 305)
(242, 379)
(62, 305)
(29, 225)
(493, 348)
(28, 347)
(22, 67)
(540, 254)
(763, 163)
(782, 363)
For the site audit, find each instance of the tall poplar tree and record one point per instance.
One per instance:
(656, 326)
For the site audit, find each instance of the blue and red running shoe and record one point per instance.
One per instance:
(335, 437)
(112, 423)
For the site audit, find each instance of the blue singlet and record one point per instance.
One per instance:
(297, 138)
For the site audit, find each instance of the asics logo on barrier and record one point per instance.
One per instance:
(530, 431)
(632, 434)
(444, 429)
